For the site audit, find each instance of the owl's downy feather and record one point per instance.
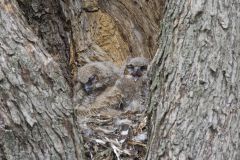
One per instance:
(96, 78)
(99, 75)
(133, 83)
(135, 68)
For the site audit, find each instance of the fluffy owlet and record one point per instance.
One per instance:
(133, 83)
(97, 76)
(94, 78)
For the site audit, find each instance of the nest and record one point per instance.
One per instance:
(114, 134)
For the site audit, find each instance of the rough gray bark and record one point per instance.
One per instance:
(50, 21)
(194, 104)
(36, 113)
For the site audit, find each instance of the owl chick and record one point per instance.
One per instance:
(133, 83)
(97, 76)
(94, 79)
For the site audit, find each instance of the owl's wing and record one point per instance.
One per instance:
(110, 99)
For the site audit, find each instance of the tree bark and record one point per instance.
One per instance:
(50, 21)
(36, 113)
(194, 101)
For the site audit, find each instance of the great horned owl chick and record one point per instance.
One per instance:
(133, 83)
(94, 78)
(97, 76)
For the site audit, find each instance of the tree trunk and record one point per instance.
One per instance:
(195, 75)
(36, 113)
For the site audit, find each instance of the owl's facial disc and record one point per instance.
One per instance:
(136, 71)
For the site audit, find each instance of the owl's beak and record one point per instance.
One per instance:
(137, 73)
(135, 78)
(88, 89)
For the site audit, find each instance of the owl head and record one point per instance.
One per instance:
(97, 76)
(136, 67)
